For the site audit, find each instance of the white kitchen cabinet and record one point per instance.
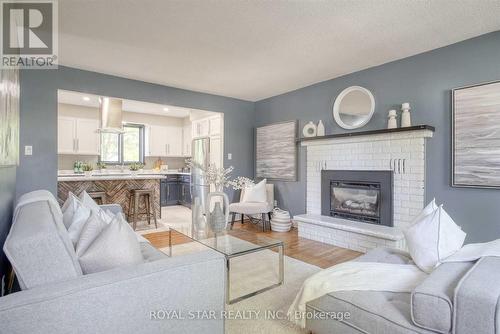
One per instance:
(156, 141)
(201, 128)
(66, 134)
(216, 151)
(87, 137)
(174, 141)
(77, 136)
(164, 141)
(215, 125)
(186, 140)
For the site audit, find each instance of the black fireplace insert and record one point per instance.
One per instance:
(364, 196)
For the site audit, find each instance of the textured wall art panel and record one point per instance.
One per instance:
(9, 117)
(276, 151)
(476, 136)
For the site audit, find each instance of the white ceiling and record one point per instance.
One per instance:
(260, 48)
(90, 100)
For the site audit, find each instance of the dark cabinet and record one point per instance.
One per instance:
(175, 190)
(185, 196)
(163, 193)
(172, 193)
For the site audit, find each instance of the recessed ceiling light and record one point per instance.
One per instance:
(165, 109)
(86, 98)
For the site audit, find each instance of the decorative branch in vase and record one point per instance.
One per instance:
(219, 178)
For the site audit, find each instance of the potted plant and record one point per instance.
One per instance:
(87, 168)
(135, 167)
(101, 166)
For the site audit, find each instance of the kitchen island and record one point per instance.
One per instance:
(117, 186)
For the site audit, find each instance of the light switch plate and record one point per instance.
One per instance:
(28, 150)
(229, 156)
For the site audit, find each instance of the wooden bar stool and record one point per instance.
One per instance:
(148, 196)
(98, 196)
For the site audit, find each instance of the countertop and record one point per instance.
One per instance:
(68, 176)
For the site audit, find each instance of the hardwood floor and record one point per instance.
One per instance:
(309, 251)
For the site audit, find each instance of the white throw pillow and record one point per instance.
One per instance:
(68, 209)
(256, 193)
(430, 208)
(92, 228)
(92, 205)
(78, 220)
(114, 247)
(433, 238)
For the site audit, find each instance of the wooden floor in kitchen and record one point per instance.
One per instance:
(313, 252)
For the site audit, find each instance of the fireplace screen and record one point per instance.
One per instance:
(355, 200)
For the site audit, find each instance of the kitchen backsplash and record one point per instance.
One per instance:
(65, 161)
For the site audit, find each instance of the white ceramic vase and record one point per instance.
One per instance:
(392, 123)
(219, 217)
(405, 115)
(320, 130)
(309, 130)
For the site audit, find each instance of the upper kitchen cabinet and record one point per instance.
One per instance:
(87, 136)
(77, 136)
(186, 140)
(164, 141)
(212, 127)
(66, 134)
(200, 128)
(207, 127)
(215, 125)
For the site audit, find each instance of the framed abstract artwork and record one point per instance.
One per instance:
(9, 117)
(476, 136)
(276, 151)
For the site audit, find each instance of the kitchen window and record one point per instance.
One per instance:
(123, 148)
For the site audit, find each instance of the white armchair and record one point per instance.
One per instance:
(254, 208)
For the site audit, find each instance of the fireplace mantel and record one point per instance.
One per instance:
(369, 133)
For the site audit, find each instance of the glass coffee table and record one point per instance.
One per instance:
(232, 247)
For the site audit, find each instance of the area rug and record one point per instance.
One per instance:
(266, 312)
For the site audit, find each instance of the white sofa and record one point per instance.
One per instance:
(58, 298)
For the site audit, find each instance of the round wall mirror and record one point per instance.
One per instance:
(354, 107)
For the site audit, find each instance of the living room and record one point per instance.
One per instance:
(355, 189)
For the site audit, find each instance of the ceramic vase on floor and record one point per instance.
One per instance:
(280, 221)
(219, 217)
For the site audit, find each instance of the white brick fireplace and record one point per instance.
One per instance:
(402, 152)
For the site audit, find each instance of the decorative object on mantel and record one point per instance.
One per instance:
(405, 115)
(276, 152)
(9, 117)
(354, 107)
(309, 130)
(320, 129)
(476, 136)
(393, 122)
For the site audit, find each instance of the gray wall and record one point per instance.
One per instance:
(425, 81)
(7, 194)
(39, 118)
